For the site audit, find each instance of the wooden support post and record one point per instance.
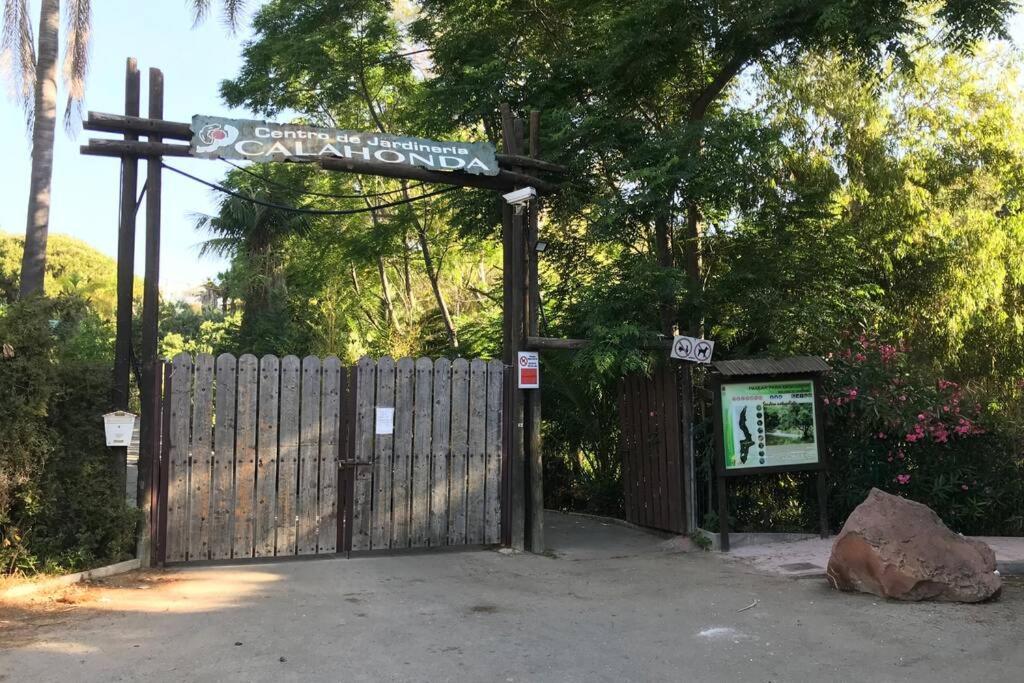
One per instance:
(150, 429)
(126, 266)
(686, 416)
(534, 444)
(512, 339)
(161, 470)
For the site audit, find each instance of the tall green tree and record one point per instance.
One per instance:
(33, 69)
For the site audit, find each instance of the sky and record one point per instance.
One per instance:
(159, 33)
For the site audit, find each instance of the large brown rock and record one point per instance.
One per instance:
(896, 548)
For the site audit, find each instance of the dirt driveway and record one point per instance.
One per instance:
(609, 604)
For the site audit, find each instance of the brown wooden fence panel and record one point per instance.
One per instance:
(401, 471)
(495, 414)
(651, 450)
(421, 474)
(366, 383)
(459, 452)
(201, 460)
(476, 459)
(330, 440)
(243, 515)
(383, 453)
(287, 456)
(177, 458)
(223, 458)
(255, 446)
(441, 439)
(309, 455)
(266, 456)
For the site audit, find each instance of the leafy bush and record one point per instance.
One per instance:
(62, 503)
(899, 428)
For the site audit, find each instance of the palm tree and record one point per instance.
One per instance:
(35, 85)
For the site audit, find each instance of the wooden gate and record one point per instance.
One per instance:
(270, 458)
(651, 450)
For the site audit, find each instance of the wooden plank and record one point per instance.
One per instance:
(492, 477)
(674, 450)
(625, 446)
(653, 450)
(177, 486)
(401, 485)
(383, 453)
(624, 470)
(362, 497)
(309, 455)
(419, 531)
(201, 460)
(223, 458)
(440, 437)
(639, 417)
(346, 474)
(266, 456)
(459, 453)
(476, 458)
(287, 457)
(331, 435)
(243, 510)
(660, 447)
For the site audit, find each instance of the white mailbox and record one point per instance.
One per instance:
(119, 426)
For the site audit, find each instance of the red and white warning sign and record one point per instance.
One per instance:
(528, 369)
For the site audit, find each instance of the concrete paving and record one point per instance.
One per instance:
(608, 603)
(809, 557)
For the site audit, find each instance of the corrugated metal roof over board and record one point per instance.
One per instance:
(771, 366)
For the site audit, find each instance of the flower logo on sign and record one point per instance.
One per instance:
(213, 136)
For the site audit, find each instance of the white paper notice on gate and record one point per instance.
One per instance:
(385, 423)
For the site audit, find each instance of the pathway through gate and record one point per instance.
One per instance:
(278, 457)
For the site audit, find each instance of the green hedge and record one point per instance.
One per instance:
(62, 503)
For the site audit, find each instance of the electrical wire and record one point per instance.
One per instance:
(310, 193)
(294, 209)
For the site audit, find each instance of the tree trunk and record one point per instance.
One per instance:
(33, 263)
(663, 248)
(432, 274)
(691, 251)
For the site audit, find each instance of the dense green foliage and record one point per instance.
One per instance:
(770, 174)
(62, 500)
(72, 267)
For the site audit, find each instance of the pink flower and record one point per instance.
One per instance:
(826, 401)
(852, 393)
(860, 358)
(963, 487)
(881, 435)
(921, 417)
(903, 478)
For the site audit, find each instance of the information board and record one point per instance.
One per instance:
(769, 424)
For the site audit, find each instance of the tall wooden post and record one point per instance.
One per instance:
(150, 429)
(535, 460)
(126, 263)
(512, 342)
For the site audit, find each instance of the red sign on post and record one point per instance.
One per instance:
(528, 369)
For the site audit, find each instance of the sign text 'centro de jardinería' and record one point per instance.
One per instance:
(214, 137)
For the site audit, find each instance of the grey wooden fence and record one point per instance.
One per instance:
(253, 448)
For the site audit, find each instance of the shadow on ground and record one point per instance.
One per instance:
(608, 603)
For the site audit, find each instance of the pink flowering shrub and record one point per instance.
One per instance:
(892, 426)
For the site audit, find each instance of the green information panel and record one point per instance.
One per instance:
(769, 424)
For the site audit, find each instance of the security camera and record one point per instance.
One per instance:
(520, 196)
